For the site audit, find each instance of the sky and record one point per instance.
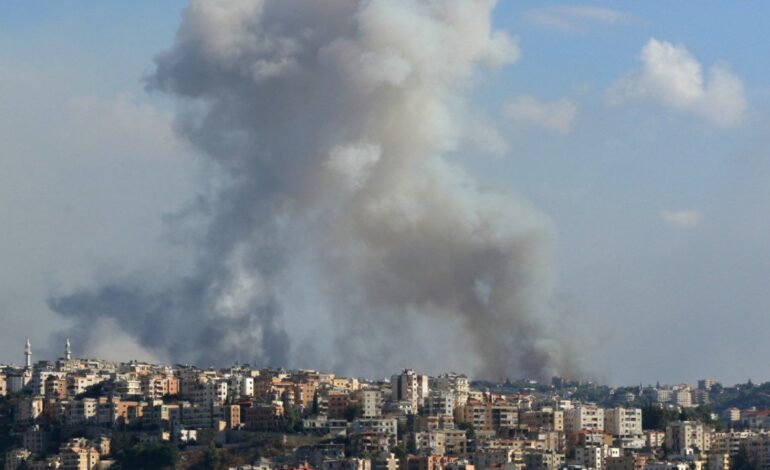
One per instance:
(639, 131)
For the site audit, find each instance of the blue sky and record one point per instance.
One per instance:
(660, 211)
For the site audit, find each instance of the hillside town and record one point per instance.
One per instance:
(86, 414)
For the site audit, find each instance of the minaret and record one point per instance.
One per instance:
(28, 354)
(67, 350)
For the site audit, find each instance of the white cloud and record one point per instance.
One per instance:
(557, 116)
(671, 76)
(575, 18)
(682, 219)
(485, 138)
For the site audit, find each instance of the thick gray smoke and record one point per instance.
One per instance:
(331, 122)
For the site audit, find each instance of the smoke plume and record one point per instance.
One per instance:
(329, 126)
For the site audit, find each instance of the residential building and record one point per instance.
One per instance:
(683, 435)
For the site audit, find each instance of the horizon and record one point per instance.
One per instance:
(573, 187)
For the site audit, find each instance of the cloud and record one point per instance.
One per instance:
(671, 76)
(486, 139)
(557, 116)
(575, 18)
(682, 219)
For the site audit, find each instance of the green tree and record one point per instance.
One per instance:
(742, 461)
(156, 457)
(315, 403)
(411, 445)
(211, 458)
(293, 420)
(353, 412)
(399, 451)
(654, 417)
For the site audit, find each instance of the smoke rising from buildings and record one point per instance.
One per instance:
(329, 126)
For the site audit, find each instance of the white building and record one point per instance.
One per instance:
(623, 422)
(239, 386)
(371, 403)
(684, 435)
(213, 391)
(411, 387)
(441, 402)
(457, 384)
(590, 457)
(590, 417)
(386, 426)
(683, 397)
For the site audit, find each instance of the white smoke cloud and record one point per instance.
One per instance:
(671, 76)
(329, 122)
(682, 219)
(558, 116)
(108, 341)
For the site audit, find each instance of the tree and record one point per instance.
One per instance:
(654, 417)
(742, 461)
(211, 458)
(315, 403)
(411, 445)
(353, 412)
(399, 451)
(293, 420)
(156, 457)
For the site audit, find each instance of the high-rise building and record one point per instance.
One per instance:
(589, 417)
(623, 422)
(411, 387)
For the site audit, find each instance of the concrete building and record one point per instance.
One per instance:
(543, 460)
(338, 403)
(79, 454)
(731, 415)
(683, 397)
(420, 462)
(623, 422)
(729, 442)
(717, 461)
(457, 384)
(583, 417)
(488, 415)
(210, 392)
(706, 384)
(346, 464)
(386, 426)
(631, 461)
(663, 395)
(441, 402)
(441, 442)
(411, 387)
(371, 403)
(667, 466)
(590, 457)
(700, 396)
(684, 435)
(546, 419)
(15, 458)
(654, 439)
(29, 409)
